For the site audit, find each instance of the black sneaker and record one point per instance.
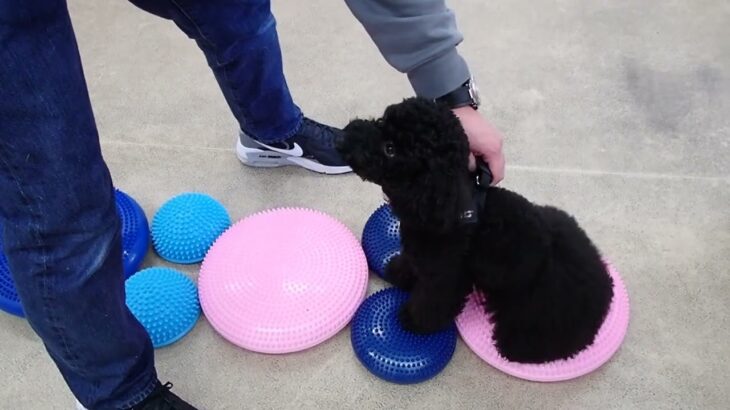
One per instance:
(313, 148)
(161, 398)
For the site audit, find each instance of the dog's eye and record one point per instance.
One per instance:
(389, 149)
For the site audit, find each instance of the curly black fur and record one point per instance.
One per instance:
(546, 287)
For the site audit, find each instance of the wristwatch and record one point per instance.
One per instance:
(466, 95)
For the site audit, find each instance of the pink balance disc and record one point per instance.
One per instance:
(476, 330)
(283, 280)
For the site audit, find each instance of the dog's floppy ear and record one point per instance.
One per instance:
(434, 202)
(440, 192)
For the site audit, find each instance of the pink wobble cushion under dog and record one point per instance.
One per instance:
(283, 280)
(476, 330)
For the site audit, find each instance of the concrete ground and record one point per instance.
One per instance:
(617, 111)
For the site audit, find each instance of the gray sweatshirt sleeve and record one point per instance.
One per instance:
(417, 37)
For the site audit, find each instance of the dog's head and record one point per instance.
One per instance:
(418, 153)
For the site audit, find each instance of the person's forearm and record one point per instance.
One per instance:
(417, 37)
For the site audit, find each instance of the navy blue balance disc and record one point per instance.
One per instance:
(389, 351)
(381, 239)
(135, 232)
(135, 241)
(9, 300)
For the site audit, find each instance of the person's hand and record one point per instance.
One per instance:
(485, 141)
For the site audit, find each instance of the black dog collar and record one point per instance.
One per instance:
(482, 180)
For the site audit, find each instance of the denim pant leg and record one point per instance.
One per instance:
(240, 43)
(58, 214)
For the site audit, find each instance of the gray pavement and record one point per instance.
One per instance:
(617, 111)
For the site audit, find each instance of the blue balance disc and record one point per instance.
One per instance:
(186, 226)
(9, 300)
(381, 239)
(135, 241)
(135, 232)
(165, 302)
(389, 351)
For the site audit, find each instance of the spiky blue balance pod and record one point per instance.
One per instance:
(381, 239)
(186, 226)
(165, 302)
(135, 241)
(391, 352)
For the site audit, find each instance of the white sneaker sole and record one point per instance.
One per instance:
(259, 158)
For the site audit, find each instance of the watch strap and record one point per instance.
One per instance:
(461, 97)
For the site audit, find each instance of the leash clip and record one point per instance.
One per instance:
(484, 175)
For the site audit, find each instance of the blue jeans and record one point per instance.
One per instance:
(57, 208)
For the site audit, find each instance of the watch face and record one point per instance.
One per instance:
(474, 93)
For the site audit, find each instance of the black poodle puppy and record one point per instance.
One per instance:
(546, 288)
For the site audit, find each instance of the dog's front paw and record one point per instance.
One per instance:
(408, 321)
(400, 273)
(419, 321)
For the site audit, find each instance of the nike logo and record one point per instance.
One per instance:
(295, 150)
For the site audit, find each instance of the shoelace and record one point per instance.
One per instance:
(167, 386)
